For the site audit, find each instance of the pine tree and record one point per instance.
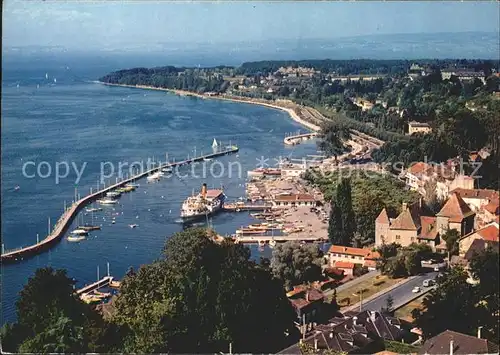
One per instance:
(334, 224)
(344, 203)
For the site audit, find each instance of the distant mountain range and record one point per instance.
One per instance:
(471, 45)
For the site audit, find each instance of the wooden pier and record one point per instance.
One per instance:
(105, 281)
(66, 219)
(234, 207)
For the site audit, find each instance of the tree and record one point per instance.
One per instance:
(62, 336)
(484, 268)
(203, 296)
(451, 237)
(295, 264)
(332, 139)
(51, 317)
(389, 303)
(451, 305)
(347, 218)
(335, 224)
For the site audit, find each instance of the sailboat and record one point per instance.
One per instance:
(55, 80)
(215, 144)
(46, 75)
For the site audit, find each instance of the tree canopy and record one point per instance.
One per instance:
(295, 264)
(202, 297)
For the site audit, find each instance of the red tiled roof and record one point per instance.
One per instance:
(213, 193)
(476, 193)
(405, 221)
(489, 233)
(418, 168)
(295, 197)
(428, 228)
(334, 271)
(344, 265)
(493, 207)
(364, 252)
(455, 208)
(383, 217)
(370, 263)
(299, 303)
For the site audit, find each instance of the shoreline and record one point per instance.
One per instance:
(293, 115)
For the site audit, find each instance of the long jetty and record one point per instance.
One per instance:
(295, 139)
(66, 219)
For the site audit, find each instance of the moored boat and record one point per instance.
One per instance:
(206, 203)
(107, 201)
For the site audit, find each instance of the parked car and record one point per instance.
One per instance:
(428, 283)
(416, 289)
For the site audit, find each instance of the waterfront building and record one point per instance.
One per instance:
(294, 200)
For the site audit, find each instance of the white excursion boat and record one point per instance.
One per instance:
(206, 203)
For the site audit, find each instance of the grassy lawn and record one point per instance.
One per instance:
(405, 311)
(369, 287)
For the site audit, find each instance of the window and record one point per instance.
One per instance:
(398, 237)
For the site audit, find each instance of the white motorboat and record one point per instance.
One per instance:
(133, 225)
(154, 177)
(113, 194)
(93, 209)
(80, 232)
(167, 170)
(75, 238)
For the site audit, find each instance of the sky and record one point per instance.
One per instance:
(146, 24)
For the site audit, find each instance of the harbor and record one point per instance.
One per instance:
(67, 217)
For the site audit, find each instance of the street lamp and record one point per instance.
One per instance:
(360, 299)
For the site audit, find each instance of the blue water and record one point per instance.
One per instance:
(76, 121)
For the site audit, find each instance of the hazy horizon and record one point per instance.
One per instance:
(140, 26)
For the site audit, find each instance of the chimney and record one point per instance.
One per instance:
(331, 335)
(451, 347)
(355, 320)
(307, 296)
(405, 206)
(479, 332)
(315, 344)
(204, 190)
(372, 316)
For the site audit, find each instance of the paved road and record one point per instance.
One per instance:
(400, 294)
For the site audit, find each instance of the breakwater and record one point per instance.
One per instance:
(68, 216)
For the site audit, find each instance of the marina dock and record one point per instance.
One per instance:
(265, 239)
(68, 216)
(105, 281)
(235, 207)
